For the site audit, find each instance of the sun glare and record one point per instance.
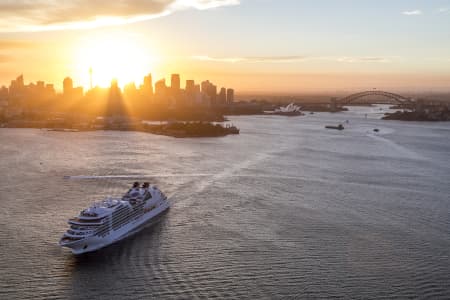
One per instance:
(114, 56)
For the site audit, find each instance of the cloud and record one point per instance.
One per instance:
(14, 44)
(26, 15)
(204, 4)
(290, 59)
(363, 59)
(416, 12)
(443, 10)
(252, 59)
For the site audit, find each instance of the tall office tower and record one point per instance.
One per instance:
(130, 91)
(67, 86)
(175, 82)
(17, 88)
(4, 92)
(190, 85)
(205, 87)
(197, 94)
(115, 106)
(222, 98)
(40, 85)
(174, 92)
(19, 81)
(212, 93)
(147, 87)
(160, 88)
(190, 91)
(230, 96)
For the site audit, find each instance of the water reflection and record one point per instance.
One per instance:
(94, 273)
(290, 210)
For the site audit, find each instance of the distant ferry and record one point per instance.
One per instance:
(113, 219)
(339, 127)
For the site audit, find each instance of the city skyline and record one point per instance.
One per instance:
(148, 86)
(255, 46)
(150, 94)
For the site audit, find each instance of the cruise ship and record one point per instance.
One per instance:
(113, 219)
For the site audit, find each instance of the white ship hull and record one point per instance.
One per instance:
(93, 243)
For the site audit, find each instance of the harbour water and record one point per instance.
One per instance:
(287, 209)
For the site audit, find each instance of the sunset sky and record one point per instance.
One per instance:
(280, 46)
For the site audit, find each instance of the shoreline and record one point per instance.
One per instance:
(177, 129)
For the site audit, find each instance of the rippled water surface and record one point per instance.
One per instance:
(287, 209)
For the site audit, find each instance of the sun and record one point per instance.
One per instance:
(116, 55)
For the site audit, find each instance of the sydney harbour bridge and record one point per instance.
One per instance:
(372, 97)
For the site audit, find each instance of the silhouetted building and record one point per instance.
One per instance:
(50, 90)
(147, 87)
(19, 81)
(190, 85)
(222, 98)
(175, 82)
(40, 86)
(160, 89)
(197, 95)
(17, 88)
(67, 87)
(77, 93)
(130, 91)
(190, 91)
(115, 105)
(205, 87)
(175, 97)
(69, 92)
(3, 99)
(209, 92)
(4, 92)
(230, 96)
(212, 93)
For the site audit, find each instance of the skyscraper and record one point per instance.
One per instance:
(175, 82)
(190, 91)
(19, 81)
(160, 88)
(212, 93)
(67, 86)
(115, 105)
(17, 87)
(190, 85)
(205, 87)
(222, 99)
(230, 96)
(197, 94)
(147, 87)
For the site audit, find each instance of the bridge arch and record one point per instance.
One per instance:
(395, 97)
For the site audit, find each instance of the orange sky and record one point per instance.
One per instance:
(303, 48)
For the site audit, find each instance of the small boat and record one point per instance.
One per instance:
(63, 129)
(339, 127)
